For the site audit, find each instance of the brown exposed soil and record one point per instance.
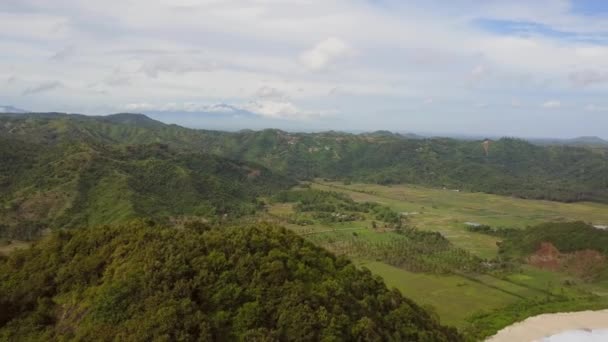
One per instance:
(486, 146)
(254, 174)
(40, 205)
(584, 264)
(546, 257)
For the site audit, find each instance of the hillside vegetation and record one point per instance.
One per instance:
(73, 184)
(141, 282)
(510, 166)
(401, 245)
(566, 236)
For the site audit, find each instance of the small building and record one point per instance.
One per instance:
(473, 224)
(600, 226)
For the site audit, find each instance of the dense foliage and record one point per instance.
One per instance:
(329, 206)
(410, 248)
(565, 236)
(82, 183)
(413, 250)
(141, 282)
(510, 167)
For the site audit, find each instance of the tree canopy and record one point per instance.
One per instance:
(139, 281)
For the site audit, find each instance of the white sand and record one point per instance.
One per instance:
(538, 327)
(579, 336)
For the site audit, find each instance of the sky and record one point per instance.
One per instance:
(487, 67)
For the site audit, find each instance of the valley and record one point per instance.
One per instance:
(303, 171)
(448, 211)
(458, 298)
(477, 239)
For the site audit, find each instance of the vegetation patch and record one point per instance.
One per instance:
(143, 282)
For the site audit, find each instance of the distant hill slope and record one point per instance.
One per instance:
(71, 184)
(510, 167)
(11, 109)
(146, 283)
(573, 247)
(589, 141)
(579, 141)
(566, 236)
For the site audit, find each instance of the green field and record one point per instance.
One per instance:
(453, 297)
(458, 296)
(446, 211)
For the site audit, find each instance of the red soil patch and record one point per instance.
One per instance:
(547, 257)
(254, 173)
(584, 264)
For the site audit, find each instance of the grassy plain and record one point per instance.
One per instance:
(447, 211)
(455, 297)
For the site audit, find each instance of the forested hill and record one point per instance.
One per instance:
(140, 282)
(506, 166)
(79, 183)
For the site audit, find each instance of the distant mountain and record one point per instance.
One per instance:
(412, 135)
(219, 116)
(132, 119)
(59, 170)
(11, 109)
(590, 141)
(509, 166)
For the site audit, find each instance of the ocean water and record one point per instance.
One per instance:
(600, 335)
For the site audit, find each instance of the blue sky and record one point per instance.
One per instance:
(519, 68)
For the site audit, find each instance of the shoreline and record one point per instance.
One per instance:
(538, 327)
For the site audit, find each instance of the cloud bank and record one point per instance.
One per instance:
(460, 66)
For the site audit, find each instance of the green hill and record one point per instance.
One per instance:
(74, 184)
(576, 248)
(566, 236)
(510, 166)
(140, 282)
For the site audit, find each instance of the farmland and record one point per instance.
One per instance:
(457, 297)
(446, 211)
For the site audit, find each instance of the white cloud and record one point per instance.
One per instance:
(35, 26)
(552, 104)
(282, 110)
(368, 57)
(222, 108)
(324, 54)
(188, 107)
(595, 108)
(177, 65)
(588, 77)
(266, 92)
(515, 103)
(64, 54)
(43, 87)
(479, 71)
(275, 109)
(142, 106)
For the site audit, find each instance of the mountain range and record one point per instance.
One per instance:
(508, 166)
(11, 109)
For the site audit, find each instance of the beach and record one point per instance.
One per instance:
(539, 328)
